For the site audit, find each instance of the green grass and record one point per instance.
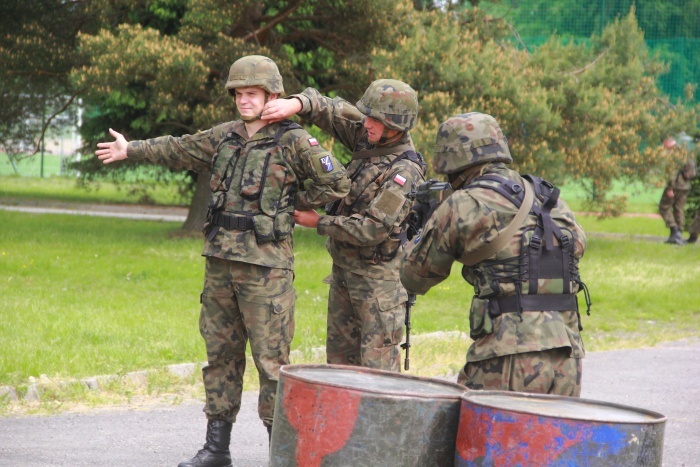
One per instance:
(84, 296)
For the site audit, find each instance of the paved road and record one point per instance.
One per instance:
(664, 379)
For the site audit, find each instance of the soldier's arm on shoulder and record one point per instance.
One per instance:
(335, 116)
(188, 152)
(324, 178)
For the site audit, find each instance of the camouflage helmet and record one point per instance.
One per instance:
(255, 70)
(467, 140)
(392, 102)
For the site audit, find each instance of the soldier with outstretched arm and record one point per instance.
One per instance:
(261, 172)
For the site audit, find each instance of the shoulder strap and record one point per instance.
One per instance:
(492, 248)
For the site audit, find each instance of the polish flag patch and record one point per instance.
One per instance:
(313, 141)
(400, 180)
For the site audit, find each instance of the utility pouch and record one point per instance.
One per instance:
(283, 225)
(253, 174)
(480, 323)
(264, 229)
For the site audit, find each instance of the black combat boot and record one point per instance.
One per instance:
(215, 452)
(693, 238)
(675, 237)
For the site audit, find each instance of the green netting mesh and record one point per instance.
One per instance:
(671, 28)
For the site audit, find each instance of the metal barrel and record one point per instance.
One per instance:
(334, 415)
(499, 428)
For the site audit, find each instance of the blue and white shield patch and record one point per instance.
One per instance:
(326, 164)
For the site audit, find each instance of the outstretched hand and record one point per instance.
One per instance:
(279, 109)
(114, 151)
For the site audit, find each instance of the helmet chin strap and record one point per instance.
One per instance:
(385, 139)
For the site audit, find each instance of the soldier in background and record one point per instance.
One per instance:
(520, 246)
(261, 172)
(675, 194)
(367, 229)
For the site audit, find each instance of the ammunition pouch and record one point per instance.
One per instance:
(480, 322)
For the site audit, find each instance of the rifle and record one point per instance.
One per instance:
(427, 197)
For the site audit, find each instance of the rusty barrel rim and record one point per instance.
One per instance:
(292, 372)
(473, 397)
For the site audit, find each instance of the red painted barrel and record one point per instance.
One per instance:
(498, 428)
(334, 415)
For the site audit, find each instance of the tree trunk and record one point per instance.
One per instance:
(198, 206)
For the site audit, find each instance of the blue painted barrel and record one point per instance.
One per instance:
(339, 415)
(499, 428)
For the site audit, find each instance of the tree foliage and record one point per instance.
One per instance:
(589, 111)
(570, 111)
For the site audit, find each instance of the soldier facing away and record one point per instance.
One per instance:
(367, 229)
(520, 246)
(260, 171)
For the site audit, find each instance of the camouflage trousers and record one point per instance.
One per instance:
(242, 302)
(365, 321)
(695, 225)
(672, 209)
(551, 371)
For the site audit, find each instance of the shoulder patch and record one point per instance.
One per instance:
(326, 162)
(400, 180)
(313, 141)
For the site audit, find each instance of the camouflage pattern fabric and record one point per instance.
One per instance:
(467, 140)
(672, 210)
(365, 321)
(546, 372)
(240, 302)
(469, 219)
(392, 102)
(364, 234)
(296, 163)
(695, 225)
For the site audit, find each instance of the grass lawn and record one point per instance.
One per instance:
(83, 296)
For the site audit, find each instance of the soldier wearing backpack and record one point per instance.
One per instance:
(520, 245)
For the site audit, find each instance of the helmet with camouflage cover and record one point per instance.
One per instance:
(467, 140)
(255, 70)
(392, 102)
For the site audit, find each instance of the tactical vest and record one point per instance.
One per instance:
(250, 187)
(376, 175)
(545, 276)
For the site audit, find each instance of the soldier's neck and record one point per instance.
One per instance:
(252, 127)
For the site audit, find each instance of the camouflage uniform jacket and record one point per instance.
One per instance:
(365, 230)
(681, 180)
(252, 176)
(462, 224)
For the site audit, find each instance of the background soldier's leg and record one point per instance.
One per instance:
(225, 336)
(343, 327)
(266, 298)
(679, 201)
(490, 374)
(666, 210)
(380, 306)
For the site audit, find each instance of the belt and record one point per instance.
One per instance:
(551, 302)
(232, 222)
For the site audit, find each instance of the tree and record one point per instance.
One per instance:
(37, 52)
(149, 81)
(570, 111)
